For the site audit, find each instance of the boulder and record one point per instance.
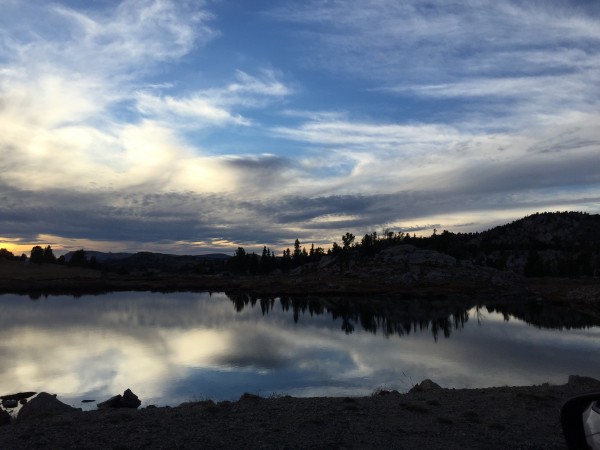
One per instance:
(127, 400)
(44, 405)
(10, 403)
(425, 386)
(130, 400)
(113, 402)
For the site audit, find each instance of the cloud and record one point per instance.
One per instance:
(211, 106)
(77, 110)
(412, 38)
(196, 108)
(506, 61)
(392, 157)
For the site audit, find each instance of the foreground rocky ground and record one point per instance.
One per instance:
(492, 418)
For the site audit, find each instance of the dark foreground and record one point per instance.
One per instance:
(492, 418)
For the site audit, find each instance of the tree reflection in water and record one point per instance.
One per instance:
(401, 317)
(401, 320)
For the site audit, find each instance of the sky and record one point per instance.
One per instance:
(199, 126)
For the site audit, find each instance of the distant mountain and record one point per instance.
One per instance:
(157, 262)
(101, 257)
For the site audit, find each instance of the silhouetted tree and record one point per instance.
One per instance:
(6, 254)
(37, 255)
(49, 255)
(239, 261)
(347, 240)
(335, 249)
(297, 251)
(367, 245)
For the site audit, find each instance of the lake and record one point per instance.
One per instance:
(176, 347)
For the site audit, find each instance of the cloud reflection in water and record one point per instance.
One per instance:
(176, 347)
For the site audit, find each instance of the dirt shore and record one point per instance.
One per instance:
(492, 418)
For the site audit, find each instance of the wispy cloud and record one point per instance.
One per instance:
(541, 57)
(212, 106)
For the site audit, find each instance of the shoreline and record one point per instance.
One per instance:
(572, 296)
(582, 294)
(525, 417)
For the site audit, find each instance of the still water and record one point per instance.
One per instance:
(176, 347)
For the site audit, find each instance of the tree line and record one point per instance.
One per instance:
(244, 262)
(574, 252)
(45, 255)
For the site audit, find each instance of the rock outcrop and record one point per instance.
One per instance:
(44, 405)
(425, 386)
(409, 265)
(127, 400)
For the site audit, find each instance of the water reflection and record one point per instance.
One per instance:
(176, 347)
(401, 317)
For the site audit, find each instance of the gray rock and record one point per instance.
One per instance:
(44, 405)
(113, 402)
(10, 403)
(425, 385)
(127, 400)
(130, 400)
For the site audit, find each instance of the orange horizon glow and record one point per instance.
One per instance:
(7, 246)
(16, 249)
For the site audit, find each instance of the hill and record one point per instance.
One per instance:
(152, 262)
(544, 244)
